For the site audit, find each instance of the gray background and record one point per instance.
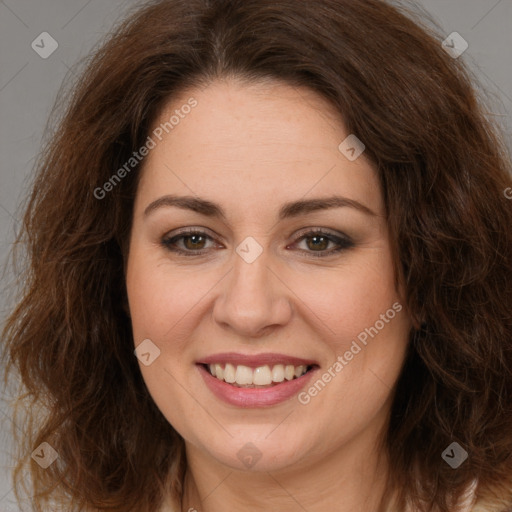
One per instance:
(29, 84)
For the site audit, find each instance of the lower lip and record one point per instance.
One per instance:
(254, 397)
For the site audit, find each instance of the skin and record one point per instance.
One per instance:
(250, 149)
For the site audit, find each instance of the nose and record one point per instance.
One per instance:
(253, 299)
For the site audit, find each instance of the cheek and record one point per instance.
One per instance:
(352, 298)
(160, 308)
(160, 298)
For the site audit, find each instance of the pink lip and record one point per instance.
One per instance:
(256, 360)
(254, 397)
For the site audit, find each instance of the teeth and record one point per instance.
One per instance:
(278, 373)
(229, 373)
(262, 376)
(245, 376)
(299, 370)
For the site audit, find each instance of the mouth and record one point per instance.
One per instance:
(266, 376)
(256, 380)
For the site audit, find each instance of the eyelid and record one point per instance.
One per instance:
(194, 230)
(316, 229)
(183, 232)
(342, 241)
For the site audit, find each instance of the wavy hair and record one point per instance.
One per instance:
(443, 168)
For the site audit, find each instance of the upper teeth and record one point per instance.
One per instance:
(261, 376)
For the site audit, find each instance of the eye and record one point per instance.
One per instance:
(190, 242)
(319, 243)
(316, 243)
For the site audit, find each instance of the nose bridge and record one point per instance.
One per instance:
(251, 299)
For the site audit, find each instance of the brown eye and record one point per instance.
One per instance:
(193, 242)
(190, 243)
(317, 243)
(322, 244)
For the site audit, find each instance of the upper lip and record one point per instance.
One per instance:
(256, 360)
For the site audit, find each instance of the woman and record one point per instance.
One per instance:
(269, 269)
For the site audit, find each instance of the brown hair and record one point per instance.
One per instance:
(443, 170)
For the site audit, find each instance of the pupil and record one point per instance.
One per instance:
(194, 240)
(316, 239)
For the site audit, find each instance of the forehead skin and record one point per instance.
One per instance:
(270, 137)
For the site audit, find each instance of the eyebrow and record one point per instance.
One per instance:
(288, 210)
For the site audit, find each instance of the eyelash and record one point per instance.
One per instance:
(342, 242)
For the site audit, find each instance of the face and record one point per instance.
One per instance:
(260, 248)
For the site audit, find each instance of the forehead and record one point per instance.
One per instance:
(254, 142)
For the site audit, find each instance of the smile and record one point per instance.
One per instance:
(262, 376)
(255, 380)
